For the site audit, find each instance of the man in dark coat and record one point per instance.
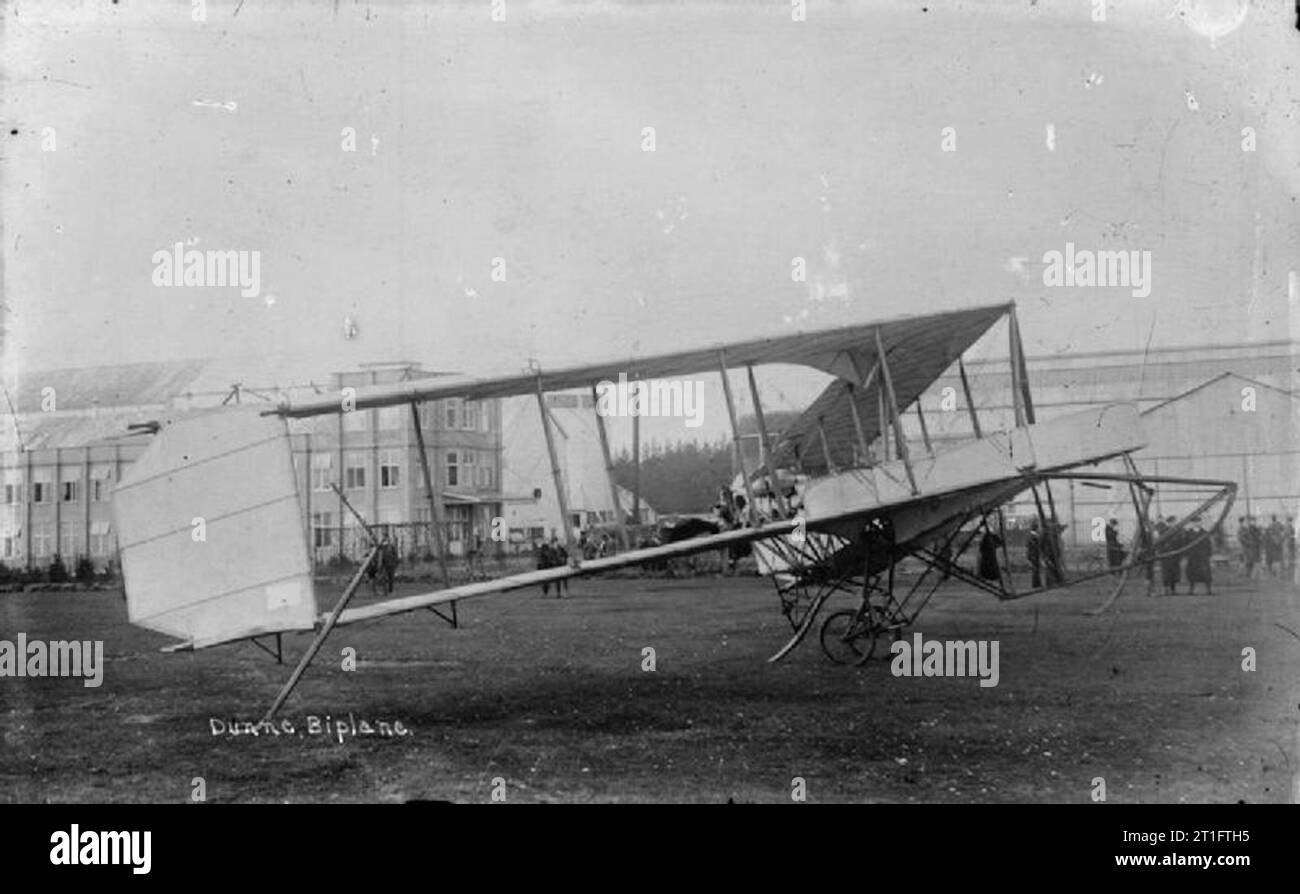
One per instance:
(1198, 558)
(1273, 541)
(1250, 546)
(545, 559)
(1114, 549)
(1171, 564)
(1034, 553)
(559, 559)
(989, 544)
(1144, 555)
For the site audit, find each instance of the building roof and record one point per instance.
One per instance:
(1210, 381)
(127, 384)
(48, 431)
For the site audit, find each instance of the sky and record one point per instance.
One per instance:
(917, 156)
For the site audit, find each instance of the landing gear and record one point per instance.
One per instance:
(850, 636)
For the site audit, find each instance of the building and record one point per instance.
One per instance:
(66, 447)
(69, 442)
(532, 511)
(374, 457)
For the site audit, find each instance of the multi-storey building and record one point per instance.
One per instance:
(374, 458)
(69, 442)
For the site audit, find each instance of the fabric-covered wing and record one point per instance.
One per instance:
(919, 348)
(916, 355)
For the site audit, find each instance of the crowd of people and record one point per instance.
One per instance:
(1270, 548)
(1186, 553)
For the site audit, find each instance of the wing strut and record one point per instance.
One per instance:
(556, 475)
(970, 404)
(609, 470)
(900, 441)
(735, 438)
(773, 486)
(435, 504)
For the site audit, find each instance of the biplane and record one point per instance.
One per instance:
(846, 529)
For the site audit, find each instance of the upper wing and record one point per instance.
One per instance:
(914, 364)
(920, 348)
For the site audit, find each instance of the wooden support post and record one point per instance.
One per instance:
(925, 432)
(609, 471)
(735, 436)
(1027, 411)
(863, 445)
(323, 633)
(899, 441)
(556, 474)
(1017, 395)
(826, 447)
(1022, 368)
(28, 486)
(881, 423)
(430, 493)
(970, 404)
(340, 479)
(636, 464)
(773, 486)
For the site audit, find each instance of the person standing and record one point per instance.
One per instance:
(544, 560)
(1273, 537)
(388, 564)
(1171, 550)
(1034, 554)
(1251, 547)
(1114, 549)
(989, 543)
(1146, 556)
(1198, 558)
(560, 558)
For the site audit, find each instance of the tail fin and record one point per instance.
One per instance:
(210, 531)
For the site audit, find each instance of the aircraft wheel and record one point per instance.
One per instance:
(844, 640)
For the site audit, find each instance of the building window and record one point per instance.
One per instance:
(42, 485)
(322, 526)
(354, 476)
(451, 407)
(470, 422)
(13, 493)
(101, 483)
(322, 471)
(390, 472)
(69, 542)
(453, 468)
(485, 417)
(41, 541)
(9, 546)
(484, 476)
(99, 538)
(71, 491)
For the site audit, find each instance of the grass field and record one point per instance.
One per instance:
(550, 696)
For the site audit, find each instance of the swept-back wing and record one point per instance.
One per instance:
(919, 348)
